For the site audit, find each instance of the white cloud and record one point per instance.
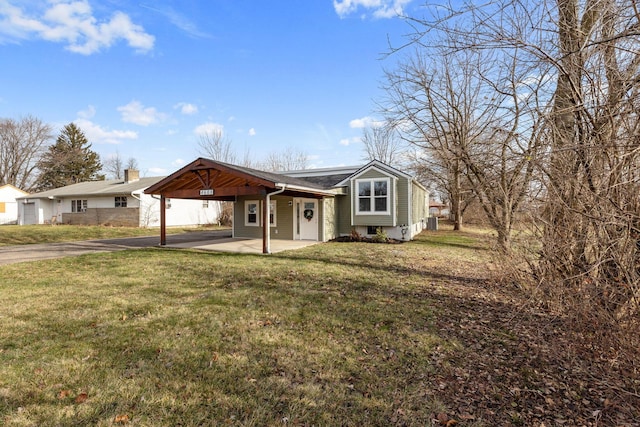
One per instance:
(178, 162)
(96, 134)
(365, 122)
(72, 22)
(179, 20)
(252, 132)
(208, 127)
(88, 113)
(158, 171)
(186, 108)
(378, 8)
(135, 112)
(348, 141)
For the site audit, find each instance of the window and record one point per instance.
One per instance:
(251, 215)
(78, 206)
(373, 196)
(3, 207)
(272, 212)
(121, 201)
(373, 229)
(205, 204)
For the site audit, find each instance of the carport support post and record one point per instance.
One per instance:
(163, 221)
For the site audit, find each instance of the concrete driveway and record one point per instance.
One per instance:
(215, 240)
(25, 253)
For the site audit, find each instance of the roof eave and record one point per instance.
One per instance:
(306, 189)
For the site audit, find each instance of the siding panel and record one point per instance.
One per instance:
(403, 202)
(284, 219)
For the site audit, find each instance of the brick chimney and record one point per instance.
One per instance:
(131, 175)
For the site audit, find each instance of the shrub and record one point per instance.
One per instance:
(380, 236)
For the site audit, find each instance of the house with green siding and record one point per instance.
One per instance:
(312, 204)
(369, 198)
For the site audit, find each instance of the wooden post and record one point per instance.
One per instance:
(163, 221)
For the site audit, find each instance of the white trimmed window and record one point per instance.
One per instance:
(78, 205)
(373, 196)
(121, 201)
(251, 213)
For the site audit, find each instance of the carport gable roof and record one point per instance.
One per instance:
(214, 180)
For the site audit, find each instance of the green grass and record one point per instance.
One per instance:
(334, 334)
(30, 234)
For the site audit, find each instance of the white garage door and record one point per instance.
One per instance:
(30, 213)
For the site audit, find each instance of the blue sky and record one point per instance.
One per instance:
(143, 78)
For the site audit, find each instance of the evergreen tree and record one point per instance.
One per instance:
(69, 161)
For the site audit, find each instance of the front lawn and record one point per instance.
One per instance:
(333, 334)
(30, 234)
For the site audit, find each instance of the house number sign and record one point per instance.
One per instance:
(207, 192)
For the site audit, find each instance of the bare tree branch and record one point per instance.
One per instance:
(22, 143)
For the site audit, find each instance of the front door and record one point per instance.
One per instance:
(306, 219)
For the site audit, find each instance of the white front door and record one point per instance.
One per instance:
(305, 219)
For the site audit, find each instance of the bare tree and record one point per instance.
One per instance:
(464, 110)
(446, 176)
(382, 142)
(585, 56)
(217, 146)
(132, 163)
(22, 142)
(286, 160)
(592, 234)
(113, 166)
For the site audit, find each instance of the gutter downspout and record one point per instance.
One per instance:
(266, 241)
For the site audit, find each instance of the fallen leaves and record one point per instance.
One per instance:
(121, 419)
(516, 364)
(443, 419)
(78, 399)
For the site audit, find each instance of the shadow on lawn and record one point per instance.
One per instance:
(491, 361)
(512, 363)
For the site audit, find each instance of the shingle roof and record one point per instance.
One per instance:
(274, 176)
(326, 177)
(325, 181)
(98, 188)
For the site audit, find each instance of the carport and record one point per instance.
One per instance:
(206, 179)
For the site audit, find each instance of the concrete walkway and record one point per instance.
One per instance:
(238, 245)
